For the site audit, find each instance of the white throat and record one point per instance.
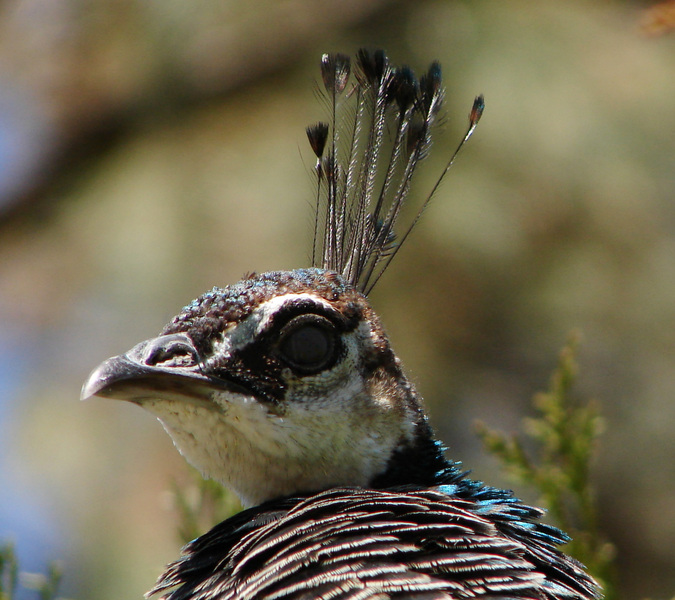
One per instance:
(262, 453)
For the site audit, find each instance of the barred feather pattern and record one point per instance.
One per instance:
(353, 544)
(381, 126)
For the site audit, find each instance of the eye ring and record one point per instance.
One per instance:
(308, 344)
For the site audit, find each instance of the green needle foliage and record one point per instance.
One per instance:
(46, 586)
(9, 572)
(564, 436)
(200, 505)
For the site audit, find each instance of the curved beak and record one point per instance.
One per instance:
(164, 367)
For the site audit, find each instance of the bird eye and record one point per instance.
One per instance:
(308, 344)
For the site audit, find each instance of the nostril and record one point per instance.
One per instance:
(170, 351)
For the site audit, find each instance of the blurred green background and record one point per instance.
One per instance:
(152, 149)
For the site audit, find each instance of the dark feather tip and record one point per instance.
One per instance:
(404, 88)
(372, 65)
(317, 136)
(335, 69)
(431, 86)
(477, 110)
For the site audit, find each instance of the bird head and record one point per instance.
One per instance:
(281, 384)
(285, 382)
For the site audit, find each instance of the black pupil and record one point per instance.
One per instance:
(309, 346)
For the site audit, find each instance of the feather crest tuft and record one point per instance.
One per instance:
(364, 180)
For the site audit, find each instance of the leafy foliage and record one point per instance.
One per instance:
(564, 435)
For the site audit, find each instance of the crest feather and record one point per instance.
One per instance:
(387, 118)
